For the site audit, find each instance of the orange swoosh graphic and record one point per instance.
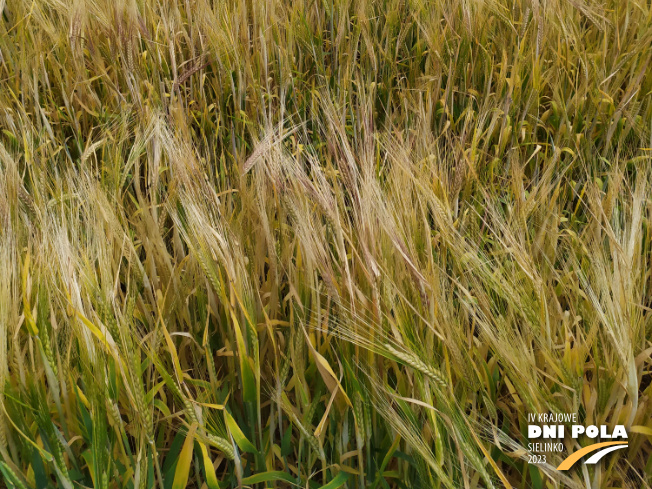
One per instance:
(574, 457)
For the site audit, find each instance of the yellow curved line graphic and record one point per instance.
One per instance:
(574, 457)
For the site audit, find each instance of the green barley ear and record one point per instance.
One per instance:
(109, 320)
(10, 477)
(415, 362)
(141, 407)
(44, 335)
(222, 444)
(113, 412)
(285, 370)
(312, 440)
(359, 417)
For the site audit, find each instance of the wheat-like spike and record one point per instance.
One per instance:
(44, 337)
(417, 364)
(285, 370)
(310, 413)
(114, 412)
(359, 415)
(222, 444)
(526, 21)
(312, 440)
(143, 411)
(11, 475)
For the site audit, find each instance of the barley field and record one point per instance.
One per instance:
(324, 243)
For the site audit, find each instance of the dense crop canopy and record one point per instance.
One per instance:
(322, 243)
